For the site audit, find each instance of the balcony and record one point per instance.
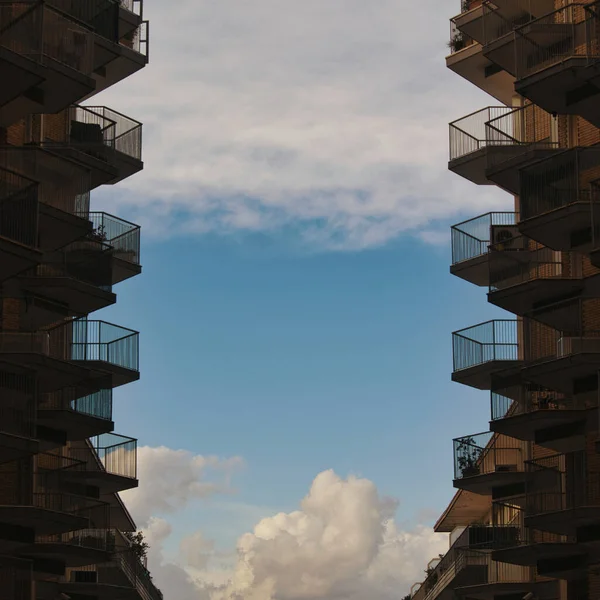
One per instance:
(486, 349)
(17, 417)
(524, 276)
(471, 240)
(107, 462)
(80, 352)
(560, 201)
(557, 61)
(501, 19)
(488, 464)
(72, 549)
(553, 555)
(106, 142)
(16, 577)
(62, 193)
(125, 575)
(18, 224)
(469, 23)
(79, 417)
(67, 286)
(534, 414)
(47, 57)
(468, 61)
(491, 145)
(567, 359)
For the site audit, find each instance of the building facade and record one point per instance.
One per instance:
(64, 531)
(525, 520)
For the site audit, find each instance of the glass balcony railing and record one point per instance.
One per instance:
(45, 35)
(486, 453)
(490, 341)
(472, 238)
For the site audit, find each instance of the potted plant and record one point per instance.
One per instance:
(468, 455)
(458, 41)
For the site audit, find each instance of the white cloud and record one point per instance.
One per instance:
(329, 118)
(171, 479)
(341, 543)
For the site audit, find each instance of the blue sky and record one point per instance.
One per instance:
(296, 307)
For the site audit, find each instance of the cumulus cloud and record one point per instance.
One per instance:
(170, 479)
(327, 118)
(343, 542)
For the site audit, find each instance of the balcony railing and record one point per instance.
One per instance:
(528, 398)
(109, 452)
(44, 35)
(16, 578)
(122, 236)
(497, 23)
(97, 404)
(471, 239)
(134, 6)
(60, 265)
(139, 39)
(560, 482)
(507, 268)
(573, 33)
(100, 15)
(93, 539)
(92, 126)
(18, 208)
(486, 453)
(458, 40)
(490, 341)
(62, 184)
(79, 340)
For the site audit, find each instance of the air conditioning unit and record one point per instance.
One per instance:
(576, 345)
(507, 237)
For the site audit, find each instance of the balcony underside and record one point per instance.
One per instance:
(81, 298)
(570, 87)
(96, 158)
(124, 269)
(53, 374)
(106, 262)
(117, 375)
(76, 425)
(16, 258)
(528, 555)
(118, 62)
(495, 591)
(505, 173)
(99, 591)
(50, 87)
(42, 521)
(470, 64)
(480, 376)
(565, 522)
(560, 228)
(559, 374)
(534, 427)
(70, 554)
(128, 22)
(474, 270)
(14, 447)
(471, 23)
(524, 296)
(107, 483)
(485, 483)
(58, 228)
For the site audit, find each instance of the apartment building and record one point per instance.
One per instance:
(525, 519)
(64, 530)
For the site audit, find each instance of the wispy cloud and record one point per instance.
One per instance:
(329, 118)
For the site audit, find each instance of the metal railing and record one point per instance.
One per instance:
(18, 208)
(560, 482)
(100, 15)
(97, 404)
(122, 236)
(44, 35)
(485, 453)
(458, 40)
(18, 407)
(61, 264)
(472, 238)
(93, 539)
(109, 452)
(527, 398)
(139, 40)
(134, 6)
(79, 340)
(62, 183)
(16, 578)
(497, 22)
(469, 134)
(490, 341)
(520, 261)
(573, 33)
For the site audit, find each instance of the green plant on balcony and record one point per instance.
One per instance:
(407, 597)
(468, 455)
(138, 544)
(432, 578)
(465, 5)
(458, 41)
